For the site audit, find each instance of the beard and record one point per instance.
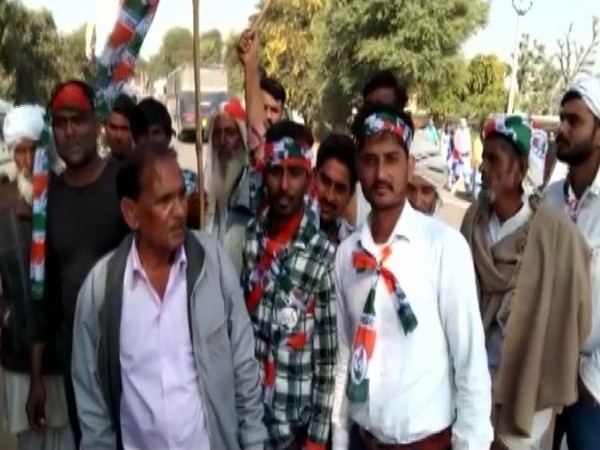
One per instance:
(25, 187)
(574, 154)
(24, 183)
(225, 174)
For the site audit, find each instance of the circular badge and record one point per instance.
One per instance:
(359, 365)
(289, 318)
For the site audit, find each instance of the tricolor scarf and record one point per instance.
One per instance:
(114, 68)
(383, 122)
(366, 334)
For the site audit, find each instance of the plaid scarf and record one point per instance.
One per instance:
(115, 66)
(366, 334)
(263, 278)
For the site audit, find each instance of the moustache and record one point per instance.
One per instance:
(381, 185)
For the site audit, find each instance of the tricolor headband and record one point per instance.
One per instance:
(288, 151)
(383, 122)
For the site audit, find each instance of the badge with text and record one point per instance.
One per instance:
(289, 318)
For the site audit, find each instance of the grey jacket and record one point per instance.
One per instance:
(222, 339)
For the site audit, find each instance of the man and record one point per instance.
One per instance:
(274, 98)
(578, 146)
(462, 144)
(83, 223)
(382, 88)
(150, 121)
(265, 97)
(536, 314)
(226, 180)
(334, 183)
(163, 353)
(22, 128)
(118, 131)
(287, 272)
(411, 368)
(422, 193)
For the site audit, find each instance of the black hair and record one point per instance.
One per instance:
(342, 148)
(386, 79)
(123, 105)
(287, 128)
(570, 95)
(88, 91)
(274, 89)
(129, 176)
(146, 113)
(358, 128)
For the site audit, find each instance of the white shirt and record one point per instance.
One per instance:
(589, 224)
(498, 231)
(435, 377)
(161, 406)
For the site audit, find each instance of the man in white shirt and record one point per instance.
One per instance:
(578, 195)
(535, 313)
(412, 369)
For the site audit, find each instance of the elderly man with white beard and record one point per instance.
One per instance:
(22, 128)
(228, 196)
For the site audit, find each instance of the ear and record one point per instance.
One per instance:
(130, 214)
(411, 166)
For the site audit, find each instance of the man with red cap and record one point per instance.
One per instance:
(83, 222)
(226, 179)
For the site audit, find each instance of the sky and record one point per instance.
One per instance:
(547, 20)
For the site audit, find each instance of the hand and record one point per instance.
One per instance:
(248, 47)
(36, 405)
(584, 393)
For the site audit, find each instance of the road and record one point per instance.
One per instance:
(452, 212)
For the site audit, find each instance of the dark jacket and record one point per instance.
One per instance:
(15, 244)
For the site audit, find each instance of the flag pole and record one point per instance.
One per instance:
(261, 15)
(197, 105)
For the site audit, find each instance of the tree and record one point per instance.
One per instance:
(420, 41)
(235, 73)
(485, 90)
(177, 48)
(211, 47)
(537, 78)
(74, 61)
(30, 53)
(290, 46)
(574, 59)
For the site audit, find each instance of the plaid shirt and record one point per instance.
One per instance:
(304, 382)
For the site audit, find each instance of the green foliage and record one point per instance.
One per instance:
(178, 48)
(235, 73)
(485, 92)
(420, 41)
(34, 57)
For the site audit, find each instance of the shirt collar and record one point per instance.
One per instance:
(137, 269)
(404, 229)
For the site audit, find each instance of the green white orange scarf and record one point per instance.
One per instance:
(115, 66)
(366, 334)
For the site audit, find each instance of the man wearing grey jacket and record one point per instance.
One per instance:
(163, 350)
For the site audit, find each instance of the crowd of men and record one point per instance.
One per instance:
(289, 323)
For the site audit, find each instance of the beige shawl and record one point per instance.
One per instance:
(545, 267)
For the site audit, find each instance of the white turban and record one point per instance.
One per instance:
(588, 87)
(23, 122)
